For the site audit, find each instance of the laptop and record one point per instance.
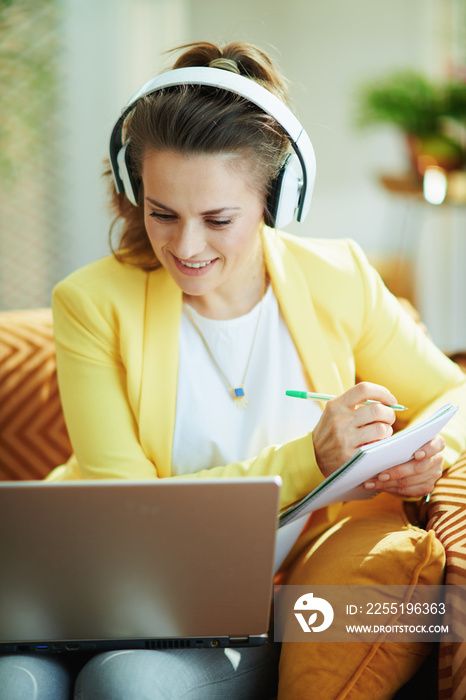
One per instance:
(116, 564)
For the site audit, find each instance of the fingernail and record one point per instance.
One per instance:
(384, 477)
(369, 484)
(420, 454)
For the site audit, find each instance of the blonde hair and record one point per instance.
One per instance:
(196, 120)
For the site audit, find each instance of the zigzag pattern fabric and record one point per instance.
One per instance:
(447, 517)
(33, 436)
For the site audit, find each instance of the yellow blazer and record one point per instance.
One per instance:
(116, 334)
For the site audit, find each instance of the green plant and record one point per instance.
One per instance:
(455, 99)
(405, 99)
(428, 113)
(411, 102)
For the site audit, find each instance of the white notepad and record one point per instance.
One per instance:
(345, 483)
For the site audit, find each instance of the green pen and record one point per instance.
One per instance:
(327, 397)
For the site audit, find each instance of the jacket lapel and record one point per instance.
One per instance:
(293, 288)
(160, 369)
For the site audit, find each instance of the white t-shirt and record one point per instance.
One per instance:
(209, 429)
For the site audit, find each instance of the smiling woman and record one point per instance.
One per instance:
(205, 308)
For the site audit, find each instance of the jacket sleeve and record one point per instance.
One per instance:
(93, 389)
(394, 351)
(101, 416)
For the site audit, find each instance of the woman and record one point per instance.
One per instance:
(202, 308)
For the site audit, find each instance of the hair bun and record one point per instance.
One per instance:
(225, 64)
(239, 57)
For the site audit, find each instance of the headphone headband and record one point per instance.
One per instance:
(245, 87)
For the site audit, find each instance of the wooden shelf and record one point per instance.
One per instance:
(402, 184)
(408, 185)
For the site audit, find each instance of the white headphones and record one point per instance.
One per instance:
(291, 190)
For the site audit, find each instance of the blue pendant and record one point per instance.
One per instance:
(239, 397)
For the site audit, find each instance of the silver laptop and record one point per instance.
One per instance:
(136, 564)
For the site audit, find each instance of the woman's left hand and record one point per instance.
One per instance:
(415, 478)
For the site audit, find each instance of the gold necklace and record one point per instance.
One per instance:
(238, 393)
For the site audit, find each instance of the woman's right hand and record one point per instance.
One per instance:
(347, 423)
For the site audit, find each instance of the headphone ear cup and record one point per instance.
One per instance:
(125, 170)
(283, 199)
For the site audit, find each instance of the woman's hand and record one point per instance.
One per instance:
(347, 424)
(415, 478)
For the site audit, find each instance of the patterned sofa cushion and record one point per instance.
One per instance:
(446, 514)
(33, 436)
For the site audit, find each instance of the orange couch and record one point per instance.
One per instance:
(33, 440)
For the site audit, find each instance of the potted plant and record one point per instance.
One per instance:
(423, 111)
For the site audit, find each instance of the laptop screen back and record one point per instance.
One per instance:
(108, 564)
